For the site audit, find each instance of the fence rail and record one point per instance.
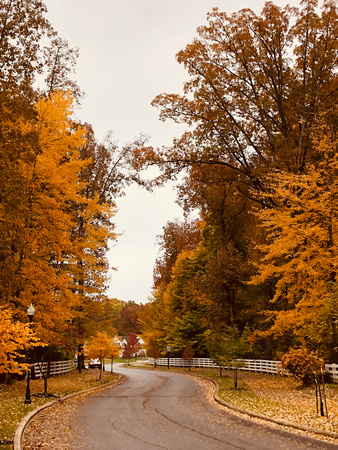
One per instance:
(56, 368)
(252, 365)
(332, 369)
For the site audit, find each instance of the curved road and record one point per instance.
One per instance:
(163, 410)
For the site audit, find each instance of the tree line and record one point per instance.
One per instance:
(58, 191)
(256, 273)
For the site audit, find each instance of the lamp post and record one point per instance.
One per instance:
(30, 312)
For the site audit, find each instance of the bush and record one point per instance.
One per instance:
(302, 364)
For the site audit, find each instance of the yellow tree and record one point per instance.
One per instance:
(50, 181)
(16, 337)
(300, 255)
(102, 346)
(41, 251)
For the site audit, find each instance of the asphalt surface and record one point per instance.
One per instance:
(163, 410)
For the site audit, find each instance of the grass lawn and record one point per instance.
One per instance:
(13, 409)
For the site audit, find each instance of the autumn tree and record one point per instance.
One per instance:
(303, 365)
(300, 251)
(108, 172)
(36, 253)
(257, 84)
(207, 276)
(101, 346)
(188, 354)
(153, 319)
(29, 62)
(176, 237)
(131, 347)
(23, 24)
(258, 87)
(127, 320)
(153, 349)
(58, 184)
(16, 337)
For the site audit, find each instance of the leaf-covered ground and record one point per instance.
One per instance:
(281, 397)
(13, 409)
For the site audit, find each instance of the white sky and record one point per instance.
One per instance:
(127, 57)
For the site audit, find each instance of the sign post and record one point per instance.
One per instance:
(168, 353)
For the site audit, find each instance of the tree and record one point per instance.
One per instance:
(303, 365)
(176, 237)
(30, 52)
(101, 346)
(131, 348)
(58, 184)
(256, 167)
(108, 170)
(300, 251)
(226, 347)
(16, 337)
(115, 351)
(153, 350)
(188, 354)
(128, 319)
(38, 166)
(153, 319)
(23, 24)
(37, 253)
(251, 105)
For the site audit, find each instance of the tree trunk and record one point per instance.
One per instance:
(80, 358)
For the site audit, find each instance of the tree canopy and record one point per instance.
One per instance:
(58, 189)
(258, 163)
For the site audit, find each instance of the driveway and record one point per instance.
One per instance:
(163, 410)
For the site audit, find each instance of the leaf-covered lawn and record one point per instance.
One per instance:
(278, 397)
(13, 409)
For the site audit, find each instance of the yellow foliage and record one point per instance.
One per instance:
(102, 346)
(300, 254)
(52, 240)
(15, 337)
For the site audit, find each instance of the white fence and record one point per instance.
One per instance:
(332, 369)
(252, 365)
(264, 366)
(56, 368)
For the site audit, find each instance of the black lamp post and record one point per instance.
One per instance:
(30, 312)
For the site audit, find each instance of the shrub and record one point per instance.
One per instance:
(302, 364)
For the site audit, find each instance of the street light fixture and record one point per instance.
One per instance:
(30, 312)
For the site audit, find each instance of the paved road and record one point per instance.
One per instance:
(163, 410)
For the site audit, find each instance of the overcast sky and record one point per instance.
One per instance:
(127, 57)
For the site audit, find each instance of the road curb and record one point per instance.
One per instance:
(330, 434)
(17, 442)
